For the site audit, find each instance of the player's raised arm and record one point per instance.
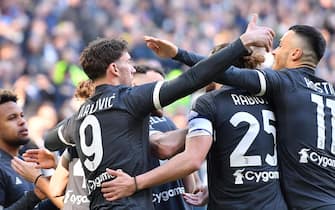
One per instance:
(258, 36)
(162, 48)
(205, 71)
(197, 148)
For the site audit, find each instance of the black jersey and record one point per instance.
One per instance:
(242, 161)
(305, 109)
(111, 131)
(12, 185)
(111, 128)
(169, 195)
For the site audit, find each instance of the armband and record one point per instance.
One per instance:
(200, 127)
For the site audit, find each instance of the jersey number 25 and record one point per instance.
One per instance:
(238, 157)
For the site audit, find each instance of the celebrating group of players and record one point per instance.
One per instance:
(267, 134)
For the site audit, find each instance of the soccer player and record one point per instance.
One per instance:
(236, 131)
(305, 109)
(304, 106)
(111, 128)
(169, 195)
(15, 192)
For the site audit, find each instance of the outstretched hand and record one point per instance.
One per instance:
(258, 36)
(122, 186)
(27, 170)
(43, 157)
(162, 48)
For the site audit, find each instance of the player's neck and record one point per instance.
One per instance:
(308, 65)
(13, 151)
(303, 64)
(105, 81)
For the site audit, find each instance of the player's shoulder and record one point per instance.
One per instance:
(214, 96)
(202, 101)
(206, 103)
(143, 87)
(104, 91)
(4, 157)
(208, 97)
(299, 75)
(290, 72)
(6, 171)
(287, 78)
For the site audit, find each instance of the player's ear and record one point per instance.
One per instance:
(296, 54)
(113, 69)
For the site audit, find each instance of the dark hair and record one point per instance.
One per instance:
(143, 69)
(7, 96)
(250, 61)
(101, 52)
(314, 39)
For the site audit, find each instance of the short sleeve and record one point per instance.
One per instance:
(140, 99)
(201, 117)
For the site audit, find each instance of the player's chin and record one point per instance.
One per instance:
(19, 141)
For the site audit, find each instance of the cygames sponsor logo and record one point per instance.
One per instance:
(167, 194)
(255, 176)
(95, 183)
(306, 156)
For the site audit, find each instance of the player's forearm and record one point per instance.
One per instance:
(242, 79)
(43, 185)
(60, 178)
(247, 79)
(173, 169)
(201, 74)
(165, 145)
(188, 58)
(189, 183)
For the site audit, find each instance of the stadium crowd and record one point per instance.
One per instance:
(40, 41)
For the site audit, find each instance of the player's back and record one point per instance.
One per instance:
(242, 162)
(75, 197)
(111, 131)
(169, 195)
(305, 108)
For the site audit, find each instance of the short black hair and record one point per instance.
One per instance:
(143, 69)
(7, 96)
(313, 38)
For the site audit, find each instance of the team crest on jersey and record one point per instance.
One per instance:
(241, 176)
(238, 176)
(309, 156)
(303, 155)
(18, 181)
